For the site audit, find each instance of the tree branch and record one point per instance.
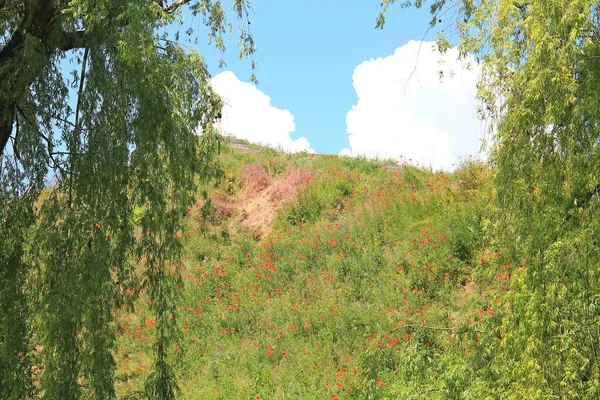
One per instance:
(72, 40)
(41, 24)
(16, 139)
(7, 115)
(175, 5)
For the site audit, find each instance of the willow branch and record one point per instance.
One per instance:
(80, 91)
(76, 129)
(175, 5)
(16, 138)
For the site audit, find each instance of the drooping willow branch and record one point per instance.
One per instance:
(77, 127)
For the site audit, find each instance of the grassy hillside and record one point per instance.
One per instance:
(329, 277)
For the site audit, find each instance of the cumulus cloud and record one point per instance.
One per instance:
(248, 114)
(408, 112)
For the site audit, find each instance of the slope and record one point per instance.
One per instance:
(315, 276)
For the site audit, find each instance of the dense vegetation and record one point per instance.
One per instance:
(298, 276)
(102, 97)
(539, 94)
(372, 282)
(313, 276)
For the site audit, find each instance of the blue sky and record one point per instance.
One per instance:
(330, 82)
(307, 52)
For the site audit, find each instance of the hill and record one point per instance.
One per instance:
(316, 276)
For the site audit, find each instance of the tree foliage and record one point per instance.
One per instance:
(539, 90)
(117, 133)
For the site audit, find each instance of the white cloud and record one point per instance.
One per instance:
(406, 112)
(248, 114)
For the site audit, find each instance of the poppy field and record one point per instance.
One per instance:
(362, 280)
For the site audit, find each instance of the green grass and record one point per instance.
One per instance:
(358, 291)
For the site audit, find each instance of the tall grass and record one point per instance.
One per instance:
(371, 284)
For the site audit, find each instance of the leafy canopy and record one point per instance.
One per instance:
(98, 96)
(539, 91)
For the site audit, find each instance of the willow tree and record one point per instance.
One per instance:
(98, 97)
(539, 90)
